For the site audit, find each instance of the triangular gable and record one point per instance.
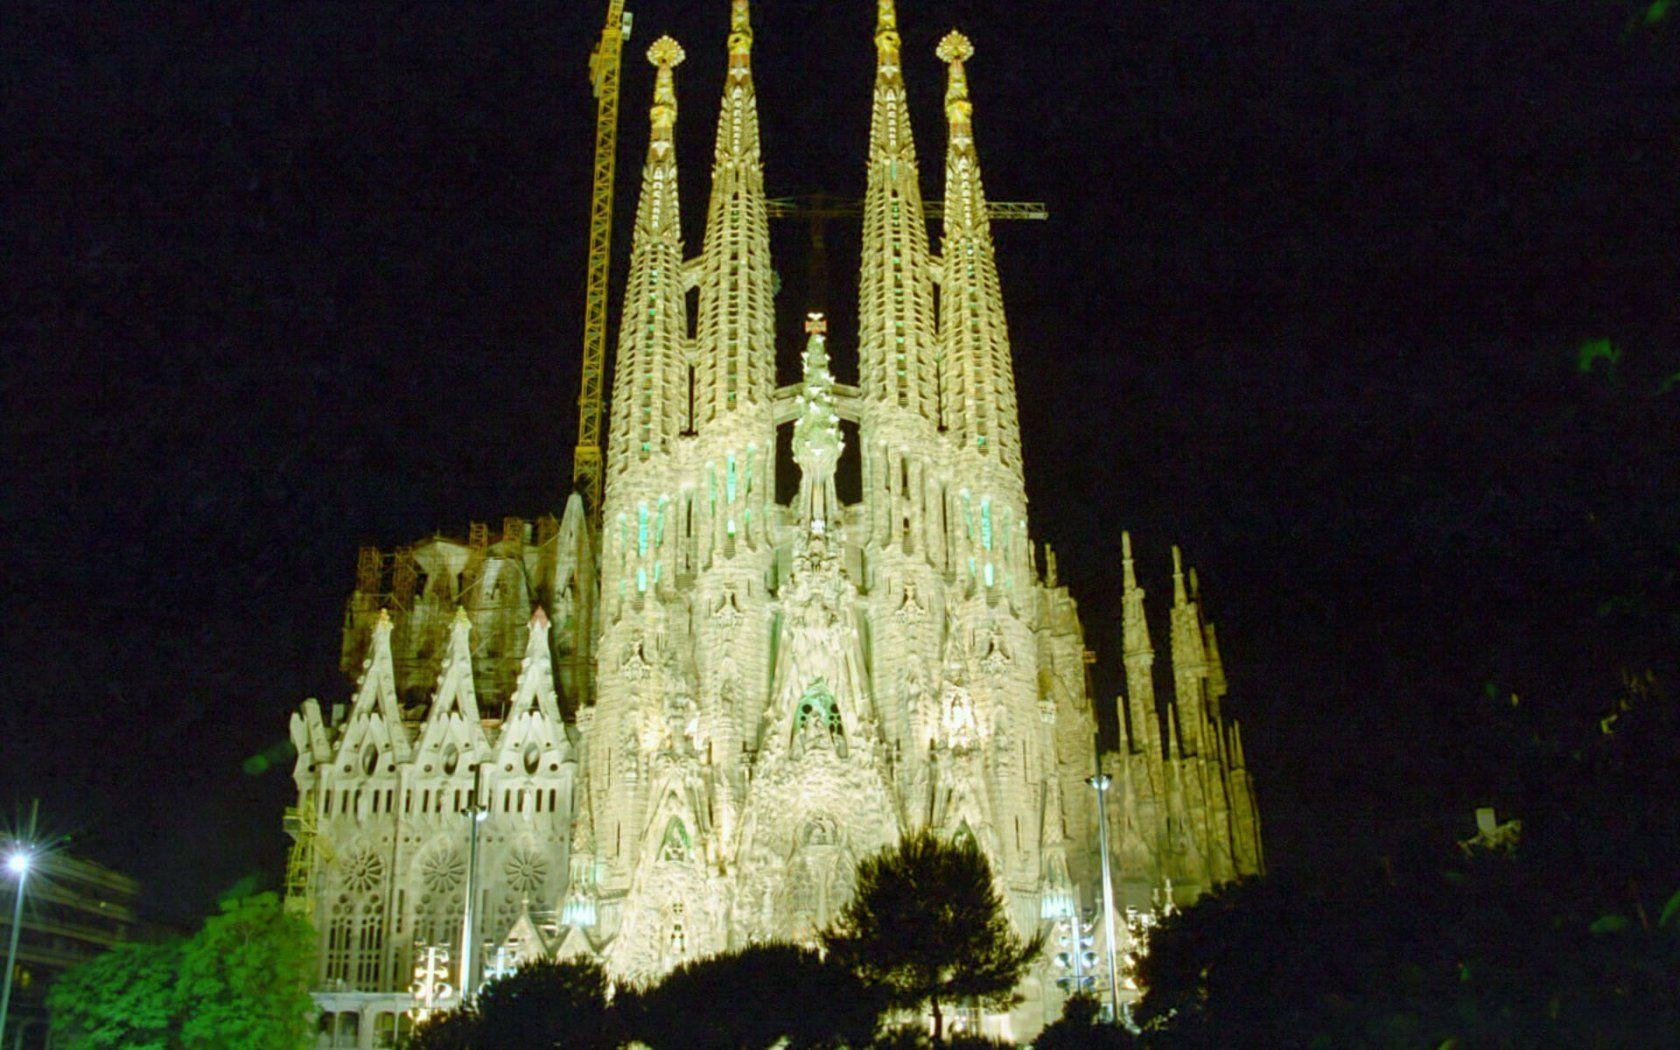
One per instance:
(454, 716)
(676, 814)
(534, 692)
(376, 713)
(576, 944)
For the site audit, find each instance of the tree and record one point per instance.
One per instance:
(244, 978)
(121, 998)
(927, 925)
(755, 997)
(1571, 938)
(450, 1030)
(1081, 1028)
(546, 1003)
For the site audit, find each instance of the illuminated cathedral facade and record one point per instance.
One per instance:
(680, 733)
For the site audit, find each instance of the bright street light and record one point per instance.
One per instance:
(18, 862)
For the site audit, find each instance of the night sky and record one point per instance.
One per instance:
(284, 279)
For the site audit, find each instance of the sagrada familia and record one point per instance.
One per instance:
(680, 734)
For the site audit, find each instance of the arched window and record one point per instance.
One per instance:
(355, 952)
(817, 710)
(964, 835)
(676, 843)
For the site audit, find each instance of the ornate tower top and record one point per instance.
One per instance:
(886, 33)
(667, 54)
(816, 432)
(954, 50)
(740, 38)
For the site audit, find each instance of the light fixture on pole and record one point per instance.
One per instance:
(1102, 782)
(18, 862)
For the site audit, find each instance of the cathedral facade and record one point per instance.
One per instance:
(680, 733)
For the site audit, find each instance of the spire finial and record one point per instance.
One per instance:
(1128, 572)
(667, 54)
(740, 38)
(954, 50)
(1179, 597)
(886, 32)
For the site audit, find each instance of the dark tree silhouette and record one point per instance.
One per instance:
(1081, 1028)
(542, 1004)
(1571, 938)
(751, 998)
(450, 1030)
(928, 926)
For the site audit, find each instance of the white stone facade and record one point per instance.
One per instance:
(697, 734)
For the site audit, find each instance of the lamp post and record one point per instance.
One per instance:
(18, 862)
(469, 929)
(1102, 782)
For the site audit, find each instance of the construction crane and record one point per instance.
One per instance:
(817, 208)
(604, 65)
(820, 206)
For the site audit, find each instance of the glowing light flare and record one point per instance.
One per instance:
(19, 861)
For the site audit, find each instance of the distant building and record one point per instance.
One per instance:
(72, 910)
(681, 734)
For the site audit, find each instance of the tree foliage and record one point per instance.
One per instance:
(242, 980)
(542, 1004)
(1561, 941)
(756, 997)
(1081, 1027)
(245, 978)
(121, 998)
(928, 926)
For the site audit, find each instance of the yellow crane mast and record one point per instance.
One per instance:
(604, 75)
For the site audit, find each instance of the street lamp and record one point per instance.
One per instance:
(1102, 782)
(18, 862)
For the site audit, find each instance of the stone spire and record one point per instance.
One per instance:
(650, 388)
(736, 344)
(816, 435)
(1189, 662)
(895, 297)
(1139, 657)
(978, 394)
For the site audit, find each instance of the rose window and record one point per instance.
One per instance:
(443, 871)
(526, 871)
(363, 873)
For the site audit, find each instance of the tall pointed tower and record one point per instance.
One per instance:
(779, 690)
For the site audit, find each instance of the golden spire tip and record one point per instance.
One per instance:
(954, 48)
(666, 53)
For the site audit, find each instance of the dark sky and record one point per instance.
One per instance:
(283, 279)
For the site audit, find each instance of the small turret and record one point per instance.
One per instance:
(816, 435)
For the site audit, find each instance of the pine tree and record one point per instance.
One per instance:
(928, 926)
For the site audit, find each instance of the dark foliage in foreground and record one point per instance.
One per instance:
(542, 1005)
(1080, 1028)
(928, 926)
(753, 998)
(1570, 939)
